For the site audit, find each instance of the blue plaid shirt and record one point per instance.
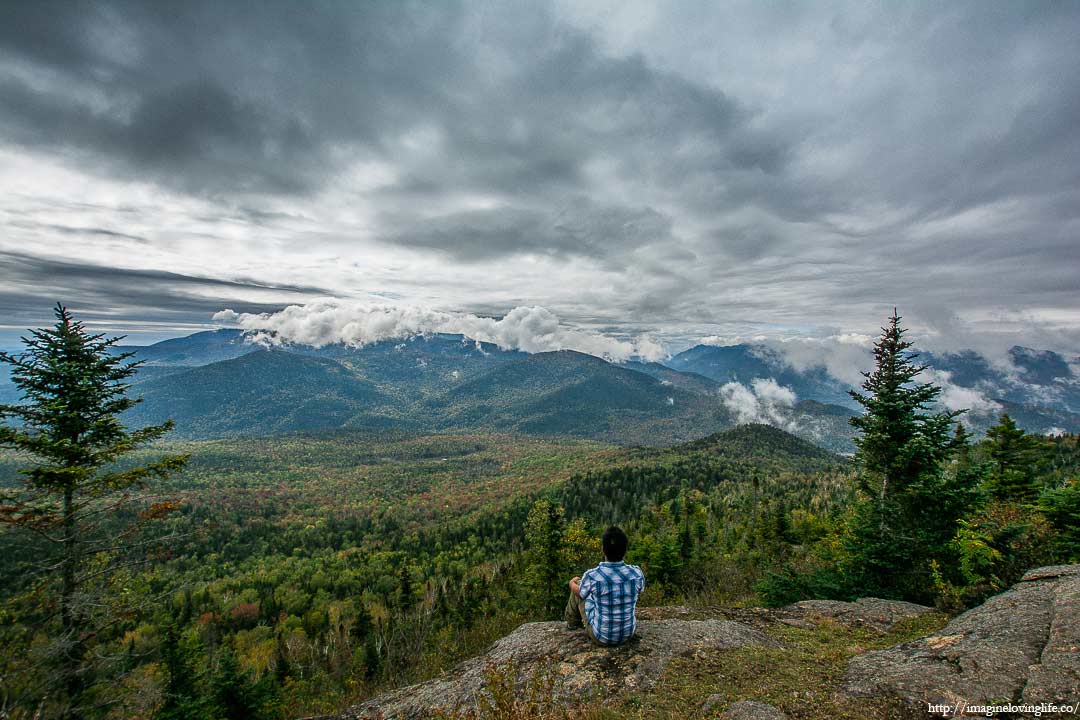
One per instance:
(610, 591)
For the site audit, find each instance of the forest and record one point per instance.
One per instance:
(279, 577)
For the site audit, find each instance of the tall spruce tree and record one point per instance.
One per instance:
(902, 447)
(546, 575)
(1013, 454)
(73, 496)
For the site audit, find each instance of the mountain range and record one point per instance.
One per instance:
(220, 383)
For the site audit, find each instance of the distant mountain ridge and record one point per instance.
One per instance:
(1041, 389)
(220, 383)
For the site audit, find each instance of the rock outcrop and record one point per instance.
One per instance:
(572, 669)
(880, 615)
(752, 710)
(1021, 646)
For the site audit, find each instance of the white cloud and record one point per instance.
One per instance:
(530, 329)
(764, 401)
(843, 355)
(955, 397)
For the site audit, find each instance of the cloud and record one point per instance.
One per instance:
(116, 298)
(763, 401)
(844, 356)
(530, 329)
(579, 229)
(679, 169)
(955, 397)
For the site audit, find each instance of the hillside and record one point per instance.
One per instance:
(262, 392)
(450, 383)
(762, 442)
(442, 382)
(745, 363)
(569, 393)
(201, 348)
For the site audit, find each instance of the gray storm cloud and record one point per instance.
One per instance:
(681, 169)
(530, 329)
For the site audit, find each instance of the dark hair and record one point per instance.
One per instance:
(614, 542)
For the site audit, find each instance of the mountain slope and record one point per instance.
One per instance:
(262, 392)
(448, 382)
(746, 363)
(201, 348)
(1042, 387)
(570, 393)
(756, 441)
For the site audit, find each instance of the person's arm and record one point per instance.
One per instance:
(584, 586)
(575, 584)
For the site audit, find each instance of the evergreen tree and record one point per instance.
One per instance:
(229, 687)
(961, 444)
(910, 507)
(372, 658)
(74, 392)
(281, 660)
(181, 697)
(1013, 453)
(362, 624)
(406, 596)
(545, 528)
(1062, 508)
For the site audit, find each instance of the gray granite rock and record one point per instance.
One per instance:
(1021, 646)
(566, 664)
(874, 613)
(753, 710)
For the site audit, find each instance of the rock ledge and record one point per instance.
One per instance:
(1021, 646)
(576, 670)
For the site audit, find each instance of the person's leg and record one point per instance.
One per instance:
(591, 635)
(574, 615)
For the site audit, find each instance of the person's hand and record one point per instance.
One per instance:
(574, 583)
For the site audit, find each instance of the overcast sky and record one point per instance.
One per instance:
(667, 171)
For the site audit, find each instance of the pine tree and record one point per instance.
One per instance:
(899, 442)
(961, 444)
(281, 659)
(181, 697)
(406, 595)
(1013, 453)
(544, 534)
(229, 687)
(74, 392)
(902, 447)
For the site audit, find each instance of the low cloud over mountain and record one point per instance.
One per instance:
(530, 329)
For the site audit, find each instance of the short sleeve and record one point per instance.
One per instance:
(641, 580)
(587, 584)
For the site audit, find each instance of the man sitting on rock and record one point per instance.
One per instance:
(604, 599)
